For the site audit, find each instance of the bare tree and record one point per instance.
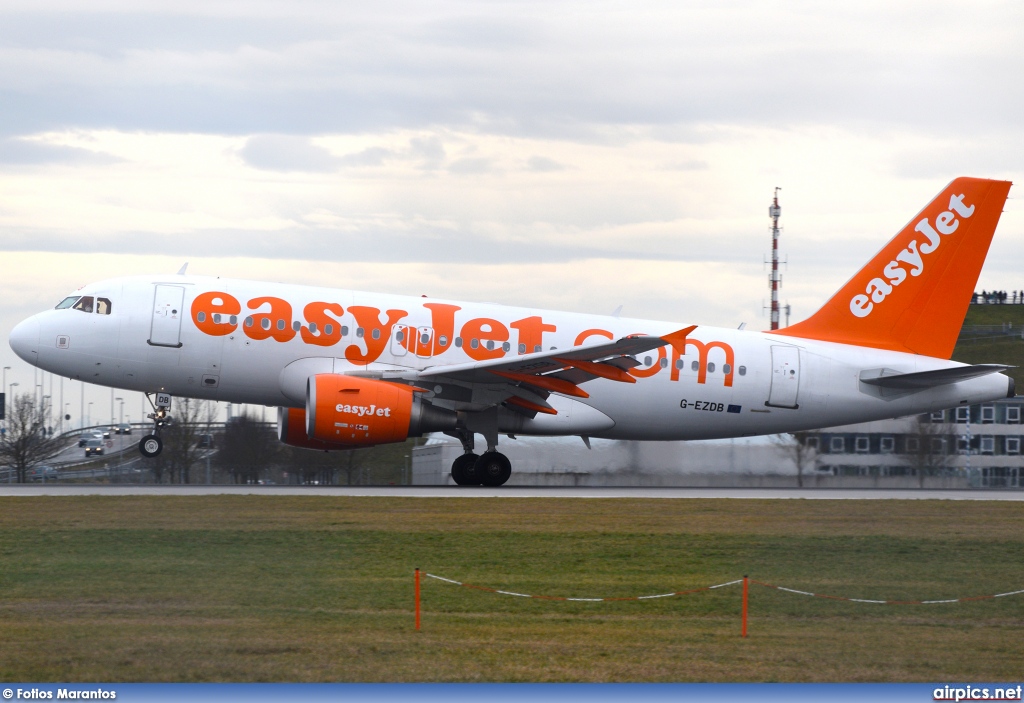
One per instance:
(247, 449)
(180, 438)
(799, 448)
(29, 440)
(927, 447)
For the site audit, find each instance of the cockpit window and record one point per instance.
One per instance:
(66, 303)
(85, 304)
(103, 306)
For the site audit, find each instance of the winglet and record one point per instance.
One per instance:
(678, 338)
(181, 271)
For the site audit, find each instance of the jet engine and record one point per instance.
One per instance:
(361, 412)
(291, 430)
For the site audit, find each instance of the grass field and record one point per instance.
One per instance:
(1005, 350)
(250, 588)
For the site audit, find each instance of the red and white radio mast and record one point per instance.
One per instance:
(775, 281)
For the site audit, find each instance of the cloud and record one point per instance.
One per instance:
(276, 152)
(543, 164)
(372, 156)
(508, 68)
(471, 165)
(27, 152)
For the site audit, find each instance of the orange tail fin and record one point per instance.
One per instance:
(913, 295)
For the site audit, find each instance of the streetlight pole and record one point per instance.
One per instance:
(90, 413)
(6, 369)
(81, 408)
(10, 391)
(120, 420)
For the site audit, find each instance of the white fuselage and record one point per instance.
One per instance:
(729, 383)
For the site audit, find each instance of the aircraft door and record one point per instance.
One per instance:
(424, 341)
(399, 339)
(165, 330)
(785, 377)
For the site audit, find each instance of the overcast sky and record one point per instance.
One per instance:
(574, 155)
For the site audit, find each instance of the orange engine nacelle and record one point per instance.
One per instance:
(362, 412)
(291, 430)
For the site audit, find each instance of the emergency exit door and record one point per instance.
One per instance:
(165, 330)
(785, 388)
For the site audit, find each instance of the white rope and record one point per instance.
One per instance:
(581, 600)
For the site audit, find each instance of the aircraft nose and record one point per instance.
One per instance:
(24, 340)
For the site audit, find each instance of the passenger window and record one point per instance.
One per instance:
(66, 303)
(85, 304)
(103, 306)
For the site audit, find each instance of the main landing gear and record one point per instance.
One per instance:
(151, 445)
(492, 468)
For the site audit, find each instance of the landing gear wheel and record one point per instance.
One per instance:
(464, 470)
(150, 446)
(493, 469)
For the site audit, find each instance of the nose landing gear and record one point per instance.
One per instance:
(151, 445)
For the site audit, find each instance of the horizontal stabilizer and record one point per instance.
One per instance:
(921, 380)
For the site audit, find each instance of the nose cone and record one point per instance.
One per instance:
(25, 340)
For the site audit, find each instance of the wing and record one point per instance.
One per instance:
(562, 371)
(523, 382)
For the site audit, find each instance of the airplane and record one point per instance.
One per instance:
(351, 369)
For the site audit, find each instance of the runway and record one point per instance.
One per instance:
(610, 492)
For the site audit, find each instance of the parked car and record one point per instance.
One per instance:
(94, 447)
(123, 428)
(205, 441)
(43, 473)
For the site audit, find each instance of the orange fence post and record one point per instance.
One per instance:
(745, 583)
(417, 599)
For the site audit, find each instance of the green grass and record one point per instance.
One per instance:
(1005, 350)
(234, 588)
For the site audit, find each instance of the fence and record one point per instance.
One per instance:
(746, 582)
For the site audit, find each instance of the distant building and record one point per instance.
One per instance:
(979, 443)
